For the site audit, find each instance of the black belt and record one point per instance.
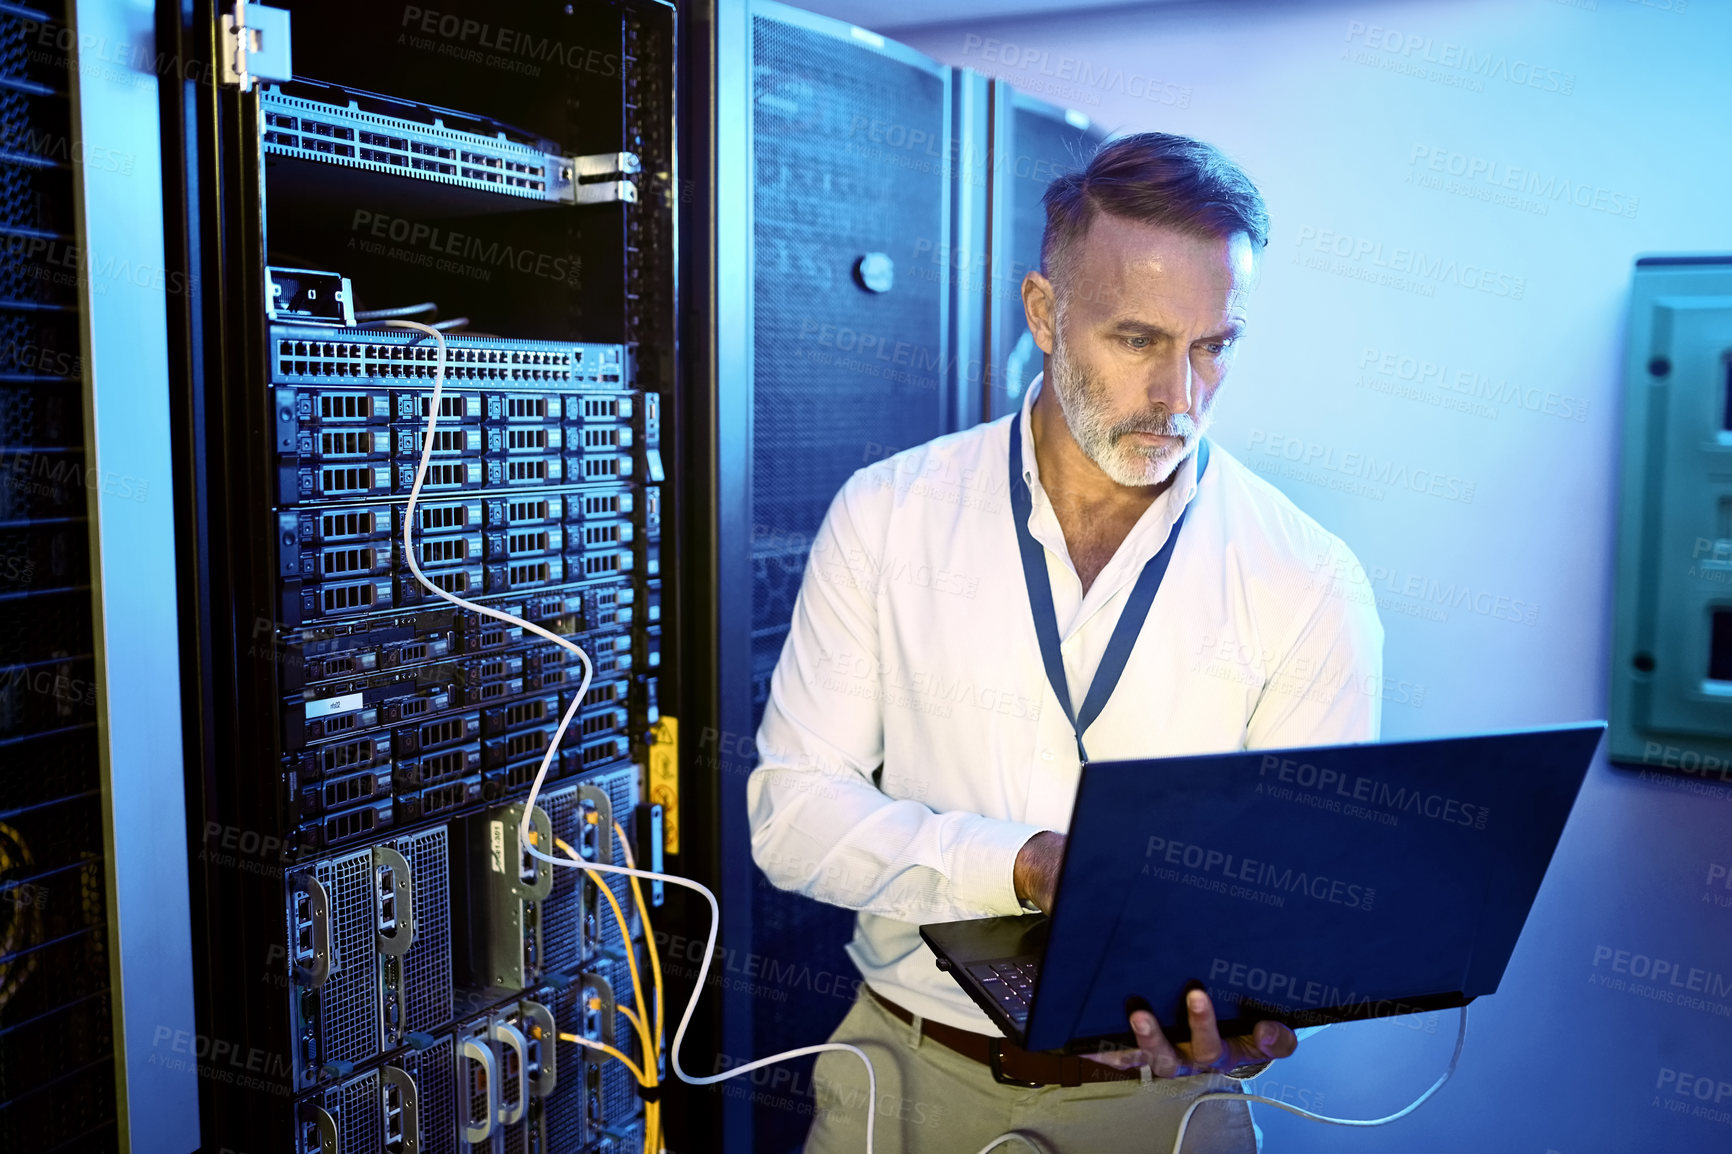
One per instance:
(1010, 1064)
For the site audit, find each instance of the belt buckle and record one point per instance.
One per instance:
(995, 1063)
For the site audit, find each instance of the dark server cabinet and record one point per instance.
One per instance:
(848, 156)
(873, 304)
(397, 971)
(1033, 143)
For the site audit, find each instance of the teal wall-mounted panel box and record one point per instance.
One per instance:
(1672, 634)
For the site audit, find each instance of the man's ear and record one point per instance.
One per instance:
(1039, 306)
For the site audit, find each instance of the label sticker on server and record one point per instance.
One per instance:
(331, 706)
(496, 840)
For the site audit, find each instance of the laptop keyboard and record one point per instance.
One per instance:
(1010, 982)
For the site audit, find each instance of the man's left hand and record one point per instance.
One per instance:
(1206, 1052)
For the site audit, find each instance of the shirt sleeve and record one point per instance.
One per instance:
(820, 825)
(1324, 686)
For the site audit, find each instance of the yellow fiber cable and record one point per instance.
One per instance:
(630, 954)
(648, 936)
(651, 1130)
(608, 1050)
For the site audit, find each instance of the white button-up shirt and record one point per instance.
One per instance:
(912, 743)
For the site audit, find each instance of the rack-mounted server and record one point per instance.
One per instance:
(418, 970)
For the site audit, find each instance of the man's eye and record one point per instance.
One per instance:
(1216, 348)
(1137, 342)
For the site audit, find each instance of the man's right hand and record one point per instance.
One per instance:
(1036, 872)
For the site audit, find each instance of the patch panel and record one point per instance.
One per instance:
(359, 359)
(326, 124)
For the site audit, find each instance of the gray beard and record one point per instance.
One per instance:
(1082, 397)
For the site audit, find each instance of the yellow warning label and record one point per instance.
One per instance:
(664, 778)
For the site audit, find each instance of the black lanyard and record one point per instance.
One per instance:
(1131, 620)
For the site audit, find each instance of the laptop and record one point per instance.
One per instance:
(1307, 886)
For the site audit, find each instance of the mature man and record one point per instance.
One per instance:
(917, 764)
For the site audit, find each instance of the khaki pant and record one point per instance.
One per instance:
(932, 1100)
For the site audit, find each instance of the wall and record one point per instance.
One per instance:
(1458, 193)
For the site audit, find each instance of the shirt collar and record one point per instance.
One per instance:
(1185, 483)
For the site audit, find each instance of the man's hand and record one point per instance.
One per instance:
(1036, 871)
(1205, 1052)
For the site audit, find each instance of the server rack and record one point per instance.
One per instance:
(372, 932)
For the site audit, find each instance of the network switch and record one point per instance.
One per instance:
(327, 124)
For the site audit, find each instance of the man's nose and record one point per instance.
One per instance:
(1171, 383)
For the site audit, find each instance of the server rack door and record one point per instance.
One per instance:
(1034, 142)
(853, 358)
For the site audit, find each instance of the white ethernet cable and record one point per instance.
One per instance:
(553, 747)
(715, 911)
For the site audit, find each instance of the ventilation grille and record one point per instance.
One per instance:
(427, 964)
(349, 999)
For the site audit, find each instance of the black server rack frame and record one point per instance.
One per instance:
(257, 579)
